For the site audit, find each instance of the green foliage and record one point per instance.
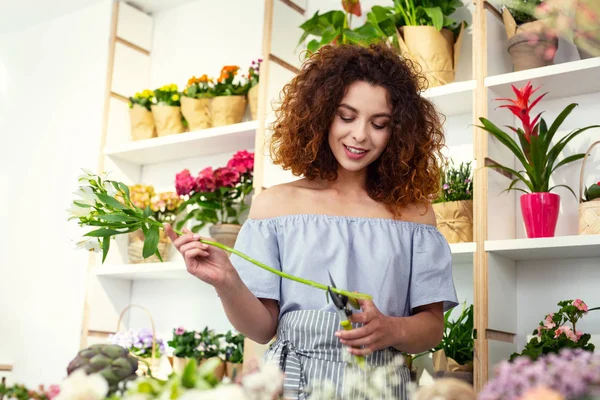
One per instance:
(456, 183)
(521, 10)
(144, 99)
(554, 333)
(592, 192)
(168, 95)
(434, 13)
(458, 341)
(234, 349)
(196, 345)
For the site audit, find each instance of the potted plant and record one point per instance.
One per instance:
(453, 357)
(335, 27)
(234, 354)
(163, 207)
(554, 332)
(184, 344)
(454, 206)
(229, 102)
(167, 110)
(195, 102)
(589, 201)
(531, 42)
(253, 87)
(428, 35)
(140, 343)
(209, 347)
(219, 197)
(539, 158)
(140, 115)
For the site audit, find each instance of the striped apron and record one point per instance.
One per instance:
(309, 354)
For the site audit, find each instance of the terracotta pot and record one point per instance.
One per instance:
(531, 50)
(225, 233)
(540, 213)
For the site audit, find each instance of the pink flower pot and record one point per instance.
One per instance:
(540, 213)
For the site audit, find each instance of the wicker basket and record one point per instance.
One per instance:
(135, 248)
(589, 211)
(147, 365)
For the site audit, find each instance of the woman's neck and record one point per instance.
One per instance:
(349, 182)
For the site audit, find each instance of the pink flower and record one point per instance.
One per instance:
(53, 391)
(242, 161)
(226, 177)
(581, 306)
(184, 182)
(205, 181)
(180, 330)
(548, 323)
(567, 331)
(579, 334)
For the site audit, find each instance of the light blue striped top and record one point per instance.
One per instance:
(402, 264)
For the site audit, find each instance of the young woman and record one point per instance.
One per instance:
(353, 124)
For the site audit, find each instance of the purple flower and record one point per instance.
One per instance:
(446, 186)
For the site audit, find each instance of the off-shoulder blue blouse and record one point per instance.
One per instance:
(402, 264)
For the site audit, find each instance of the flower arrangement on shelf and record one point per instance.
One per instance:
(219, 196)
(138, 342)
(572, 374)
(195, 102)
(453, 206)
(253, 87)
(140, 115)
(554, 332)
(233, 353)
(199, 346)
(21, 392)
(539, 158)
(229, 104)
(163, 207)
(167, 110)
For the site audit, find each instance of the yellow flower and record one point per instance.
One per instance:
(175, 97)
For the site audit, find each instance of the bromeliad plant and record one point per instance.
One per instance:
(219, 195)
(534, 149)
(98, 207)
(554, 333)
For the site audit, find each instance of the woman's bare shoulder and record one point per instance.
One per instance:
(278, 200)
(419, 213)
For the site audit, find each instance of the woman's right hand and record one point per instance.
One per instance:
(208, 263)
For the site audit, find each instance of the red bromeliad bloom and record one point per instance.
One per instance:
(352, 7)
(521, 109)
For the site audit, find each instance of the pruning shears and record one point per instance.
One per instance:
(342, 304)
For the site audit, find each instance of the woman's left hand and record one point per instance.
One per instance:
(376, 333)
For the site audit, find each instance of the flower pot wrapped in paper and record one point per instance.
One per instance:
(253, 82)
(167, 111)
(539, 159)
(589, 202)
(143, 344)
(234, 354)
(431, 38)
(219, 197)
(229, 104)
(531, 43)
(140, 115)
(453, 357)
(163, 207)
(454, 206)
(195, 103)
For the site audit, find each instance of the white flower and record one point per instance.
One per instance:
(264, 384)
(80, 386)
(90, 244)
(87, 195)
(77, 212)
(110, 190)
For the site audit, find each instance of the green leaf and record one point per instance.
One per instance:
(515, 173)
(103, 232)
(504, 139)
(147, 212)
(189, 377)
(565, 186)
(558, 121)
(313, 46)
(568, 160)
(591, 193)
(116, 218)
(555, 151)
(538, 165)
(150, 241)
(125, 189)
(436, 16)
(80, 204)
(105, 247)
(110, 201)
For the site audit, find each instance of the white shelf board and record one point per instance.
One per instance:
(559, 80)
(454, 98)
(462, 253)
(554, 248)
(165, 270)
(220, 139)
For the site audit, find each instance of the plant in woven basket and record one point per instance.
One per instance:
(199, 88)
(219, 196)
(113, 362)
(144, 99)
(592, 192)
(138, 342)
(456, 183)
(559, 330)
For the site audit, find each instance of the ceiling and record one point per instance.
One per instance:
(16, 15)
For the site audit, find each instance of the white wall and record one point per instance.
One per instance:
(52, 78)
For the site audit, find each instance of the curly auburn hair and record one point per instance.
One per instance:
(407, 171)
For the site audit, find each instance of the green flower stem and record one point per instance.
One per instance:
(283, 274)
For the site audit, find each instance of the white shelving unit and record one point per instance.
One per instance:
(462, 253)
(552, 248)
(203, 142)
(148, 271)
(454, 98)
